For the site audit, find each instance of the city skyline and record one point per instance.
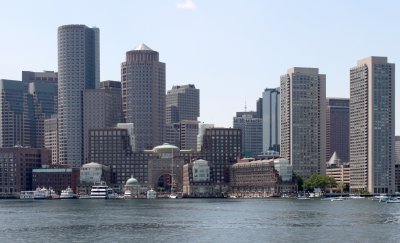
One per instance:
(187, 39)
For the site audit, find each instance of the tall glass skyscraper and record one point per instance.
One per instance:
(78, 69)
(271, 118)
(372, 125)
(143, 95)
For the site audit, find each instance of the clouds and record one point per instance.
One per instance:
(187, 4)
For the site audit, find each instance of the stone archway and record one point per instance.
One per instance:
(164, 183)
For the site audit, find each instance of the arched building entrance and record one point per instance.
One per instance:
(165, 169)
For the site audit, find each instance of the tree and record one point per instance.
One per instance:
(299, 180)
(320, 181)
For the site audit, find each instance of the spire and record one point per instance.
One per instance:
(142, 47)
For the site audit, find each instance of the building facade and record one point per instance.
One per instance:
(271, 107)
(338, 128)
(143, 95)
(252, 136)
(182, 103)
(57, 179)
(51, 137)
(221, 147)
(256, 178)
(372, 125)
(102, 108)
(202, 129)
(78, 69)
(197, 179)
(16, 168)
(303, 120)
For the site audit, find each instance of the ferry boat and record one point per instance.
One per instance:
(26, 195)
(67, 194)
(44, 193)
(151, 194)
(101, 191)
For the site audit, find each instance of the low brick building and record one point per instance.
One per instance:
(16, 166)
(58, 178)
(254, 178)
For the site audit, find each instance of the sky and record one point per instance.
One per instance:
(230, 50)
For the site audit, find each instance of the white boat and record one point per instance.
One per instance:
(44, 193)
(127, 194)
(336, 199)
(151, 194)
(303, 198)
(26, 195)
(356, 197)
(67, 194)
(84, 196)
(172, 196)
(101, 191)
(393, 200)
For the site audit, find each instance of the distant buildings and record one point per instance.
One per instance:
(78, 69)
(182, 103)
(101, 109)
(143, 95)
(372, 126)
(303, 120)
(252, 136)
(338, 128)
(271, 123)
(339, 170)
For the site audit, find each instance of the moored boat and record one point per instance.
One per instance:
(101, 191)
(67, 194)
(151, 194)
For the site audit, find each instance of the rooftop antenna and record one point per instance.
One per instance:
(245, 104)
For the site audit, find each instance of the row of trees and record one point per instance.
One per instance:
(318, 181)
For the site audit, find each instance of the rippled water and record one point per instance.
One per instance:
(199, 220)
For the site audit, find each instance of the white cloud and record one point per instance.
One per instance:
(187, 4)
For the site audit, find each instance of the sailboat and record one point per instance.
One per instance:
(172, 195)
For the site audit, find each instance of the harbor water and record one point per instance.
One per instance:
(199, 220)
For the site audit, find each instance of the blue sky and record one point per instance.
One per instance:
(231, 50)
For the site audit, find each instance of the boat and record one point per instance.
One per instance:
(393, 200)
(303, 198)
(26, 195)
(84, 196)
(127, 194)
(352, 196)
(44, 193)
(101, 191)
(67, 194)
(151, 194)
(336, 199)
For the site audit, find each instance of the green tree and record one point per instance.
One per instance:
(320, 181)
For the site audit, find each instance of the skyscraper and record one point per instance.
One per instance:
(251, 127)
(101, 109)
(182, 103)
(303, 120)
(271, 107)
(78, 69)
(143, 95)
(337, 128)
(15, 122)
(372, 125)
